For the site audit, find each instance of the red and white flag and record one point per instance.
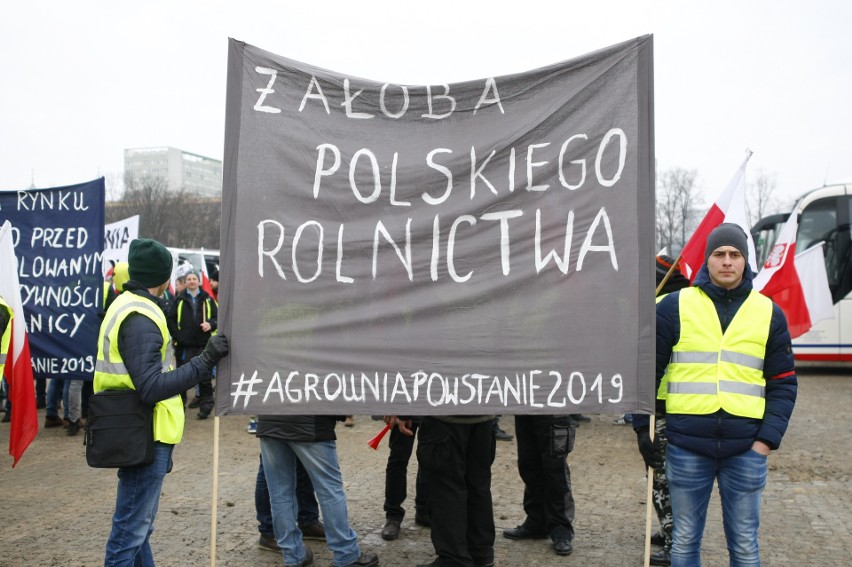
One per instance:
(19, 369)
(796, 282)
(729, 207)
(205, 277)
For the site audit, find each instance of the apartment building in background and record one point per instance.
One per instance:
(192, 172)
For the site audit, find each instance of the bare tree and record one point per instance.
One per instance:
(760, 196)
(175, 217)
(678, 204)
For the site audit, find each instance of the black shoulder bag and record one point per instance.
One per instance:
(119, 430)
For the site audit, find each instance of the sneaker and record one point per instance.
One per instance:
(350, 421)
(657, 538)
(620, 421)
(202, 414)
(252, 426)
(267, 542)
(314, 530)
(195, 403)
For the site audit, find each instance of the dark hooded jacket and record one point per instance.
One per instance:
(185, 322)
(721, 434)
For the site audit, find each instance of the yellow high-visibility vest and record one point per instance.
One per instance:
(111, 373)
(710, 370)
(7, 334)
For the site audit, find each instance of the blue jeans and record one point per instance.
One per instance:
(135, 510)
(741, 480)
(57, 389)
(307, 502)
(320, 460)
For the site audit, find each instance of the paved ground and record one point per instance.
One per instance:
(56, 511)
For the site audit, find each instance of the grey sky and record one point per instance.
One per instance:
(81, 81)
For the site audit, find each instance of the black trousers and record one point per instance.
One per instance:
(396, 476)
(548, 501)
(456, 462)
(205, 387)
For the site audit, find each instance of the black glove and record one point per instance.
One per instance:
(217, 348)
(650, 449)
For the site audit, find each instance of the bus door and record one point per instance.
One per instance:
(824, 217)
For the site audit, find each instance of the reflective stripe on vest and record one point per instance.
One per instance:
(7, 334)
(709, 370)
(111, 373)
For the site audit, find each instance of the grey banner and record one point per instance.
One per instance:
(479, 247)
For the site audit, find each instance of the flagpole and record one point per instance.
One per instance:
(213, 517)
(652, 425)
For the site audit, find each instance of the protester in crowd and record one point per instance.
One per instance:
(654, 452)
(308, 515)
(57, 395)
(544, 442)
(120, 276)
(396, 482)
(192, 321)
(6, 315)
(214, 283)
(725, 412)
(284, 439)
(180, 284)
(455, 455)
(132, 352)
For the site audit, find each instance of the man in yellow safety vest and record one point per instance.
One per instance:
(133, 354)
(731, 386)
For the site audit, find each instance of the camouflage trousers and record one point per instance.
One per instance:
(662, 500)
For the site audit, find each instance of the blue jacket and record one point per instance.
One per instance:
(721, 434)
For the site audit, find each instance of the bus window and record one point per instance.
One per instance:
(828, 220)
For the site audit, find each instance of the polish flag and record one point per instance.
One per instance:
(19, 369)
(205, 278)
(797, 283)
(729, 207)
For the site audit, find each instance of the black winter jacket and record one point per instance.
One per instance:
(721, 434)
(189, 333)
(139, 342)
(302, 428)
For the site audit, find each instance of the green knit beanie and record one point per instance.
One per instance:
(150, 262)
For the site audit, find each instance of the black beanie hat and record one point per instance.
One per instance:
(727, 234)
(150, 262)
(664, 263)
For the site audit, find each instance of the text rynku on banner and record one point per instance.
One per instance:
(58, 234)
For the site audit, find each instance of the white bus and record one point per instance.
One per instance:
(824, 216)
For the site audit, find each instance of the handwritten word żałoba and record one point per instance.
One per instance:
(393, 100)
